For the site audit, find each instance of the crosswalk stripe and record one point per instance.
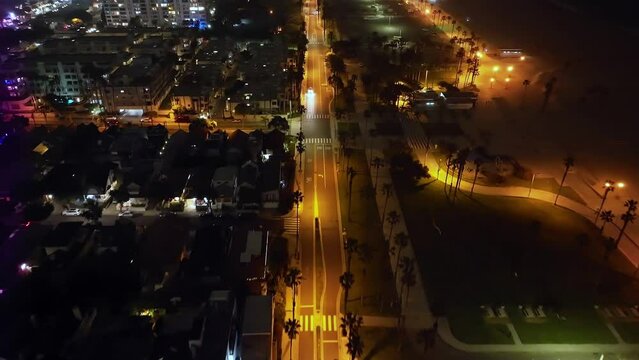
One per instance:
(318, 140)
(329, 323)
(317, 116)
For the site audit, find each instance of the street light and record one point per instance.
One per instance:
(492, 80)
(507, 81)
(495, 68)
(522, 58)
(510, 68)
(609, 186)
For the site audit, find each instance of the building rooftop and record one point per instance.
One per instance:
(141, 71)
(257, 328)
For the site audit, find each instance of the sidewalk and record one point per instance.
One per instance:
(415, 309)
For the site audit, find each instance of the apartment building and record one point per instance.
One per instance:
(163, 13)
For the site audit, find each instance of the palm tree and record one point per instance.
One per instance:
(628, 217)
(548, 90)
(525, 83)
(427, 337)
(401, 241)
(478, 163)
(348, 152)
(347, 279)
(460, 55)
(351, 246)
(387, 190)
(298, 197)
(377, 163)
(301, 147)
(462, 156)
(350, 173)
(292, 329)
(351, 323)
(452, 28)
(607, 217)
(408, 276)
(293, 279)
(393, 219)
(569, 162)
(355, 346)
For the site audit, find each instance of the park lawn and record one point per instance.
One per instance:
(629, 331)
(582, 325)
(373, 292)
(351, 128)
(383, 344)
(512, 251)
(469, 326)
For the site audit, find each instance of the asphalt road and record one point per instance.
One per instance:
(321, 261)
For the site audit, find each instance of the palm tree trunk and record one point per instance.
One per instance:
(345, 299)
(385, 203)
(401, 301)
(472, 188)
(446, 178)
(297, 235)
(397, 264)
(621, 232)
(561, 184)
(294, 293)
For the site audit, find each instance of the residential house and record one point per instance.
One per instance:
(271, 183)
(248, 194)
(225, 186)
(236, 148)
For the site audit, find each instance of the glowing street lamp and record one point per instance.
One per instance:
(522, 58)
(507, 81)
(25, 268)
(609, 186)
(510, 68)
(495, 68)
(492, 80)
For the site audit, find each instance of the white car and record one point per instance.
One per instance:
(72, 212)
(126, 213)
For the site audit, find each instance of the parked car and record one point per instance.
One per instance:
(146, 120)
(112, 121)
(182, 119)
(125, 213)
(72, 212)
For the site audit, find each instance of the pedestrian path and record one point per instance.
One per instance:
(446, 334)
(415, 135)
(415, 308)
(327, 323)
(317, 116)
(318, 141)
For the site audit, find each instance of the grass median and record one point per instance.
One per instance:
(373, 292)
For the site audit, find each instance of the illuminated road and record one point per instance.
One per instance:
(321, 260)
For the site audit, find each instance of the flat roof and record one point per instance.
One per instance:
(258, 315)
